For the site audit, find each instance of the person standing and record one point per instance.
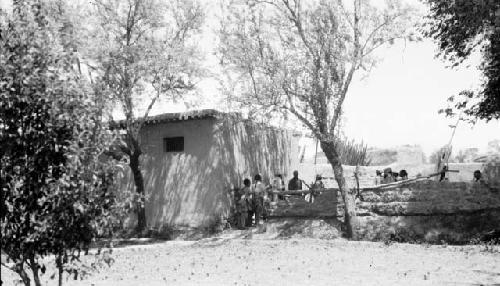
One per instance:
(388, 177)
(295, 184)
(378, 177)
(316, 189)
(318, 183)
(278, 186)
(477, 176)
(250, 202)
(242, 204)
(259, 195)
(403, 174)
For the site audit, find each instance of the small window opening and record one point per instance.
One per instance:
(173, 144)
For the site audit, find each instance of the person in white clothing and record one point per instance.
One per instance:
(259, 196)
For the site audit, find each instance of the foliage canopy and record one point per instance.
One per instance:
(460, 27)
(300, 57)
(56, 185)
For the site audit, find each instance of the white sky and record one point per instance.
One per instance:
(396, 104)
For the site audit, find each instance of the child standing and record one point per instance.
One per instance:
(259, 196)
(242, 204)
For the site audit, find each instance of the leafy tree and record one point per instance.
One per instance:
(300, 57)
(56, 187)
(147, 50)
(460, 27)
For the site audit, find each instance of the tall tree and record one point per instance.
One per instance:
(300, 57)
(56, 193)
(460, 27)
(146, 49)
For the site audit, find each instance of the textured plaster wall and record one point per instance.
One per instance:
(193, 188)
(183, 188)
(453, 211)
(430, 211)
(324, 206)
(249, 149)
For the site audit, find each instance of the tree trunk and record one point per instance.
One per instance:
(356, 176)
(139, 187)
(24, 276)
(59, 265)
(350, 219)
(34, 269)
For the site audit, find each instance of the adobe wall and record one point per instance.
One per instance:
(182, 188)
(324, 206)
(430, 211)
(193, 188)
(249, 149)
(454, 211)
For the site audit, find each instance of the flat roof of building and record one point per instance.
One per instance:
(182, 116)
(188, 115)
(197, 115)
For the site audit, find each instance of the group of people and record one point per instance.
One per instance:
(388, 176)
(253, 200)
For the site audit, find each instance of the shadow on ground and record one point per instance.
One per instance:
(284, 228)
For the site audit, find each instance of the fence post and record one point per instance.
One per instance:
(356, 176)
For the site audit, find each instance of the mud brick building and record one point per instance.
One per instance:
(193, 160)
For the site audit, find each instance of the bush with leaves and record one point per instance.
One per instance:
(352, 153)
(461, 27)
(56, 184)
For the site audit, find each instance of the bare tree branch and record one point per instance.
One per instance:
(381, 43)
(295, 18)
(376, 29)
(354, 66)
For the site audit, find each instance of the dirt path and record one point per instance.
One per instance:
(223, 261)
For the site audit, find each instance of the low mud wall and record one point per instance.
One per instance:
(323, 206)
(429, 211)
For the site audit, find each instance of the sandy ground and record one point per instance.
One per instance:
(236, 261)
